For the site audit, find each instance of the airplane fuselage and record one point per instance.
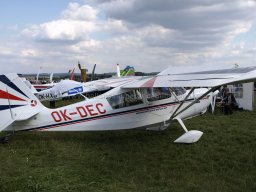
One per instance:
(98, 114)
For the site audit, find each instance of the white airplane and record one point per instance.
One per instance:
(64, 88)
(69, 87)
(135, 102)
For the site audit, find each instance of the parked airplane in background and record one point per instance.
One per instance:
(67, 88)
(133, 102)
(41, 87)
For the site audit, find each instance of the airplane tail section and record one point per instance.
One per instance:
(17, 102)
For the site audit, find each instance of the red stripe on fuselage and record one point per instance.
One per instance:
(102, 117)
(5, 95)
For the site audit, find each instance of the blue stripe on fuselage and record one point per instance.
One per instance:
(4, 107)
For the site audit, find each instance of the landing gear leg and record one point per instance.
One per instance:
(189, 136)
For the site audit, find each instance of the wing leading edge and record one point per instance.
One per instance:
(196, 77)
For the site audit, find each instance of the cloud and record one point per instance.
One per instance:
(114, 27)
(29, 53)
(5, 50)
(77, 12)
(76, 23)
(197, 23)
(148, 34)
(86, 45)
(66, 30)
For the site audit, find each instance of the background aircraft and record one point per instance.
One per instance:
(67, 88)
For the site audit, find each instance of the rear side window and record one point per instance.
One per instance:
(178, 90)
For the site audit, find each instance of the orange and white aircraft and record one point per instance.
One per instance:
(132, 102)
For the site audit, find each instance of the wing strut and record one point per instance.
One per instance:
(191, 136)
(182, 124)
(175, 114)
(180, 105)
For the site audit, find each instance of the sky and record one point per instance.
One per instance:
(150, 35)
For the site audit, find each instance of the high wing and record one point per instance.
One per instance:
(200, 76)
(211, 77)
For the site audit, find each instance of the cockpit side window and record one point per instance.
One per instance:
(158, 93)
(127, 99)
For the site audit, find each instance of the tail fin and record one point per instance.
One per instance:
(17, 102)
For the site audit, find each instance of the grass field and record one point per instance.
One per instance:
(135, 160)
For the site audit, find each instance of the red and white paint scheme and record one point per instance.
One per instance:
(41, 87)
(149, 102)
